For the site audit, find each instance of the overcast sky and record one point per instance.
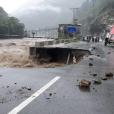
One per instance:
(59, 10)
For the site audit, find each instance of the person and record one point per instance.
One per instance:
(107, 38)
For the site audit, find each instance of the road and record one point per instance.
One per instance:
(56, 89)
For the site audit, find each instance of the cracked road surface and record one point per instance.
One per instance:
(63, 96)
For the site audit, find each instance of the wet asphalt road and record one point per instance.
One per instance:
(64, 96)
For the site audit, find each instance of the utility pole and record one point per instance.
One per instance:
(75, 14)
(93, 5)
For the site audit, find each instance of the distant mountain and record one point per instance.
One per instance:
(97, 14)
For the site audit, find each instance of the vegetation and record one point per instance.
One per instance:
(95, 15)
(10, 25)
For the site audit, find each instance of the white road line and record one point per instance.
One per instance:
(33, 97)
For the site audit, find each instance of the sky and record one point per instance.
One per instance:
(12, 6)
(34, 13)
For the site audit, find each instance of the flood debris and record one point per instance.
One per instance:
(84, 84)
(109, 75)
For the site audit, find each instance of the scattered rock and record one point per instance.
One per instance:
(97, 82)
(93, 88)
(90, 64)
(104, 78)
(84, 84)
(109, 75)
(7, 86)
(50, 94)
(15, 83)
(0, 75)
(47, 98)
(91, 59)
(77, 80)
(98, 55)
(29, 89)
(94, 48)
(94, 75)
(109, 53)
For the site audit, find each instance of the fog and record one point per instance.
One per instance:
(46, 13)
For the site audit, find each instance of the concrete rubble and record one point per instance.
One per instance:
(84, 84)
(109, 75)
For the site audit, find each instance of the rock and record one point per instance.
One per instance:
(98, 55)
(84, 83)
(7, 86)
(50, 94)
(94, 48)
(94, 75)
(90, 64)
(109, 75)
(47, 98)
(29, 89)
(97, 82)
(104, 78)
(91, 59)
(109, 53)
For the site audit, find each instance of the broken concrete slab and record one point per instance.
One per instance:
(57, 55)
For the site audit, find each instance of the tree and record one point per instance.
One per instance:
(10, 25)
(15, 27)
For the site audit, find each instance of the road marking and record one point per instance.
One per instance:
(33, 97)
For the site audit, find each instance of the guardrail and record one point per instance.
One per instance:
(54, 42)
